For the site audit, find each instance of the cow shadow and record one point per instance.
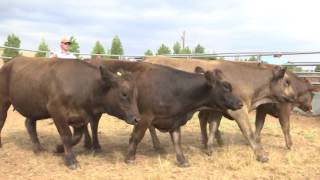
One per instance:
(113, 146)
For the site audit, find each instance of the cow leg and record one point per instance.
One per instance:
(4, 106)
(31, 125)
(94, 129)
(213, 133)
(66, 137)
(242, 119)
(213, 118)
(136, 136)
(203, 120)
(155, 140)
(284, 118)
(77, 135)
(217, 133)
(260, 119)
(176, 140)
(87, 138)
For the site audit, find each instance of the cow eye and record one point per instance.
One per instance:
(287, 83)
(124, 95)
(227, 87)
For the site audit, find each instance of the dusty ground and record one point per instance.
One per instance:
(235, 160)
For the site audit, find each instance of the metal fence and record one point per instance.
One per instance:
(314, 77)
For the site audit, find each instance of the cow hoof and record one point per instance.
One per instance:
(87, 146)
(289, 146)
(59, 149)
(130, 161)
(262, 159)
(208, 151)
(74, 166)
(38, 150)
(183, 164)
(160, 150)
(97, 150)
(220, 143)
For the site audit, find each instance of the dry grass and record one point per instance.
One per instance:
(234, 160)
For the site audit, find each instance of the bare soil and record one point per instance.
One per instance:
(235, 160)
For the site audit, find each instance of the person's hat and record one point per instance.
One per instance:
(65, 40)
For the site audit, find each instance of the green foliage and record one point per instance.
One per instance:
(163, 49)
(12, 41)
(253, 58)
(199, 49)
(317, 68)
(176, 48)
(116, 47)
(74, 46)
(208, 58)
(97, 49)
(43, 46)
(148, 53)
(293, 68)
(185, 50)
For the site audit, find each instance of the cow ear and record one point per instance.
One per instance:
(199, 70)
(218, 73)
(127, 76)
(108, 77)
(278, 72)
(211, 79)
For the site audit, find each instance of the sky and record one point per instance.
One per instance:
(219, 26)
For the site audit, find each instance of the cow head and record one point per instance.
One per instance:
(304, 101)
(220, 94)
(280, 86)
(120, 96)
(305, 93)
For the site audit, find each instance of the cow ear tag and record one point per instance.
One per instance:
(119, 73)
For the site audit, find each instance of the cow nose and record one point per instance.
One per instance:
(136, 120)
(288, 99)
(240, 104)
(133, 120)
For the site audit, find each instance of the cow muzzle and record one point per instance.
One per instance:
(133, 120)
(237, 105)
(289, 99)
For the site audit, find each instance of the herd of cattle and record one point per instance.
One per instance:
(161, 93)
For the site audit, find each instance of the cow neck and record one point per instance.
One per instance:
(260, 96)
(99, 98)
(195, 97)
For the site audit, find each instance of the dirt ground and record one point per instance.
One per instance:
(235, 160)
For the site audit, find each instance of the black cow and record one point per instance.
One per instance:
(168, 98)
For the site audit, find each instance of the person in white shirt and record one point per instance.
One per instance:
(64, 52)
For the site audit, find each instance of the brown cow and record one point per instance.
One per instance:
(255, 84)
(304, 94)
(304, 91)
(71, 92)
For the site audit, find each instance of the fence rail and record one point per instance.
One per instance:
(314, 77)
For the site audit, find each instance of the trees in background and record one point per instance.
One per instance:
(74, 46)
(163, 49)
(176, 48)
(12, 41)
(199, 49)
(148, 53)
(116, 46)
(98, 49)
(43, 46)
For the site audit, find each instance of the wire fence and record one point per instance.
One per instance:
(314, 77)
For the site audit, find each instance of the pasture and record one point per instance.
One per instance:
(235, 160)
